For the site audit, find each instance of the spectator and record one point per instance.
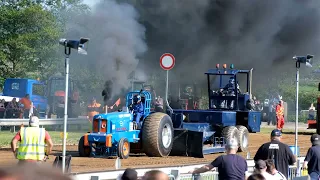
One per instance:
(155, 175)
(261, 168)
(271, 169)
(312, 159)
(2, 108)
(279, 152)
(29, 137)
(312, 112)
(12, 109)
(256, 177)
(26, 105)
(230, 166)
(129, 174)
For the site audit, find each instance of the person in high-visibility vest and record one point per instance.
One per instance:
(93, 109)
(280, 115)
(32, 143)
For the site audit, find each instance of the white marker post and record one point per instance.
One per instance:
(167, 61)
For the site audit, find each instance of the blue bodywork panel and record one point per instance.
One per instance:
(216, 119)
(20, 87)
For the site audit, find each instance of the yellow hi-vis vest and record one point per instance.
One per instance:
(32, 145)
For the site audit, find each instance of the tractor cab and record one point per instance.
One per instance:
(56, 95)
(226, 94)
(133, 97)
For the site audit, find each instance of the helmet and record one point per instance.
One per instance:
(136, 98)
(231, 80)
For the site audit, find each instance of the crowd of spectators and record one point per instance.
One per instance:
(15, 109)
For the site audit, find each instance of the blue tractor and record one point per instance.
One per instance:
(113, 134)
(178, 132)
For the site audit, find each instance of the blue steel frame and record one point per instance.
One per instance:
(147, 100)
(220, 117)
(227, 72)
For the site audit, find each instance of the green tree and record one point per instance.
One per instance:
(28, 40)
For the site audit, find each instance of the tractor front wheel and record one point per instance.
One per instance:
(84, 151)
(157, 135)
(123, 148)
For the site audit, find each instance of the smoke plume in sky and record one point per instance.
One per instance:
(263, 35)
(117, 40)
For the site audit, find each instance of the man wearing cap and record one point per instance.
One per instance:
(312, 159)
(279, 152)
(32, 143)
(230, 166)
(261, 168)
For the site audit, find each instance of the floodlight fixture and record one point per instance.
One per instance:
(304, 60)
(74, 44)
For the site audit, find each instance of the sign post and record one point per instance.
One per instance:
(167, 62)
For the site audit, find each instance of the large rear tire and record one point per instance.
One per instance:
(84, 151)
(243, 138)
(123, 148)
(157, 135)
(230, 132)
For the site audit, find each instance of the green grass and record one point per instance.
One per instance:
(267, 130)
(73, 138)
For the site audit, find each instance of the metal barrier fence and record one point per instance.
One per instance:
(181, 172)
(207, 176)
(215, 175)
(43, 122)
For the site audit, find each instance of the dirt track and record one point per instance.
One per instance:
(98, 164)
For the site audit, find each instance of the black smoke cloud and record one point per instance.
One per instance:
(117, 41)
(258, 34)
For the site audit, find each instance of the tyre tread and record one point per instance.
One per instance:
(242, 130)
(150, 134)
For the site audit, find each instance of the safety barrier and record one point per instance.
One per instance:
(180, 173)
(44, 122)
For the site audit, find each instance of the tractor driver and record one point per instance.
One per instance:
(230, 90)
(137, 109)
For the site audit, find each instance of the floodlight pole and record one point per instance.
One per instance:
(67, 52)
(297, 109)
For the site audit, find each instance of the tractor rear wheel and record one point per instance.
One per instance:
(123, 148)
(230, 132)
(84, 151)
(157, 135)
(243, 138)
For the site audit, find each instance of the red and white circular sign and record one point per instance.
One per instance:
(167, 61)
